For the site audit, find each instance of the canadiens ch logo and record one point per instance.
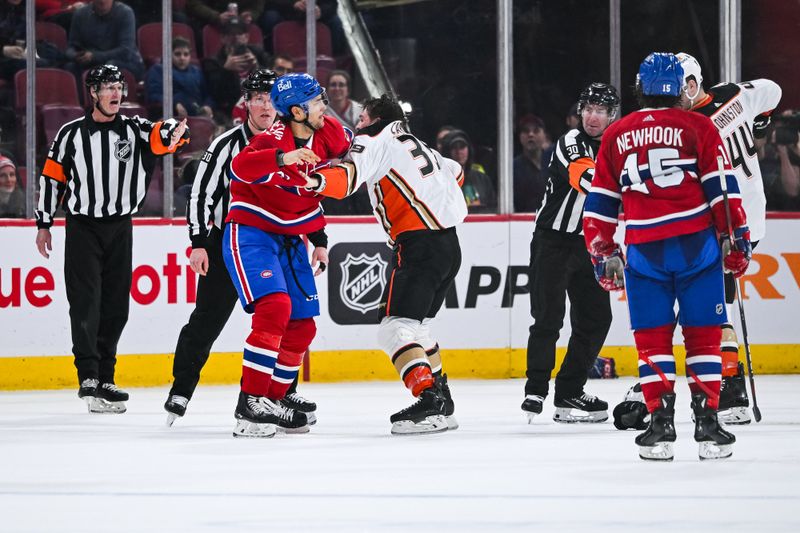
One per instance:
(266, 274)
(122, 150)
(363, 281)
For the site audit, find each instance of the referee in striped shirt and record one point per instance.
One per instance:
(205, 215)
(560, 267)
(98, 169)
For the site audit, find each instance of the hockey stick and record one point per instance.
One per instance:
(729, 222)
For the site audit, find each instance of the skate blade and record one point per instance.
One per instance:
(171, 418)
(735, 416)
(568, 415)
(452, 423)
(432, 424)
(248, 429)
(293, 431)
(663, 451)
(530, 416)
(100, 406)
(712, 451)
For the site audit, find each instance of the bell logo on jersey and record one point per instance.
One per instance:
(358, 277)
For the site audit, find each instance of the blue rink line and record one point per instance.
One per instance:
(437, 496)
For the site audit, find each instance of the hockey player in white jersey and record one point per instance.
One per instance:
(741, 113)
(415, 194)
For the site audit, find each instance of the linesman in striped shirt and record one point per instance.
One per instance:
(205, 215)
(560, 267)
(98, 169)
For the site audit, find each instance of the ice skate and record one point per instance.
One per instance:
(175, 407)
(287, 420)
(714, 442)
(103, 398)
(292, 400)
(584, 408)
(253, 419)
(632, 413)
(733, 400)
(532, 406)
(426, 415)
(655, 444)
(449, 404)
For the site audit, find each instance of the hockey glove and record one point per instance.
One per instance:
(609, 270)
(736, 258)
(760, 125)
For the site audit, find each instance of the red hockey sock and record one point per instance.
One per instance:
(656, 363)
(703, 361)
(296, 341)
(271, 313)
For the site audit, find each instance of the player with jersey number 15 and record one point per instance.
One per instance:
(661, 163)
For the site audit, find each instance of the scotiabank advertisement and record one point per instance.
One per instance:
(488, 306)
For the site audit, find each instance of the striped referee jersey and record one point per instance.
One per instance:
(209, 201)
(100, 169)
(570, 172)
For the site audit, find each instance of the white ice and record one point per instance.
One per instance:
(62, 469)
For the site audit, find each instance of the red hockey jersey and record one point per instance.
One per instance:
(260, 196)
(661, 164)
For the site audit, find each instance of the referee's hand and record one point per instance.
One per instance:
(44, 242)
(198, 260)
(177, 133)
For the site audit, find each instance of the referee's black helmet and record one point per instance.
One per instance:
(259, 81)
(106, 74)
(600, 94)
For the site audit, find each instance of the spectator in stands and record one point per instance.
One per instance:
(340, 106)
(325, 11)
(530, 168)
(440, 135)
(12, 37)
(12, 197)
(234, 62)
(478, 189)
(184, 191)
(217, 12)
(190, 94)
(281, 64)
(780, 163)
(58, 11)
(573, 119)
(103, 32)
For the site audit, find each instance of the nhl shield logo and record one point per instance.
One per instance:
(363, 281)
(122, 150)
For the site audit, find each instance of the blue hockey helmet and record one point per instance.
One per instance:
(295, 90)
(660, 74)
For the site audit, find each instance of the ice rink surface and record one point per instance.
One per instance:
(62, 469)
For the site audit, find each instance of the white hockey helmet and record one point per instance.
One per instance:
(691, 68)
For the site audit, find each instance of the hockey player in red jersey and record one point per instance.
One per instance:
(265, 255)
(661, 164)
(741, 113)
(416, 196)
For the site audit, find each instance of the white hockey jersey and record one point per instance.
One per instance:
(411, 187)
(733, 107)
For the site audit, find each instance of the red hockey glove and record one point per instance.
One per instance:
(609, 270)
(736, 258)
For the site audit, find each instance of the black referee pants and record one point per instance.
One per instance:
(97, 273)
(216, 298)
(560, 267)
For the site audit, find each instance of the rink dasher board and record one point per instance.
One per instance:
(486, 319)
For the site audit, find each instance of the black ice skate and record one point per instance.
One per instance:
(253, 419)
(103, 397)
(532, 406)
(449, 404)
(292, 400)
(715, 442)
(426, 415)
(655, 444)
(583, 408)
(175, 407)
(733, 400)
(287, 420)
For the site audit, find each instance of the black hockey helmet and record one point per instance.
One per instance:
(106, 74)
(600, 94)
(260, 80)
